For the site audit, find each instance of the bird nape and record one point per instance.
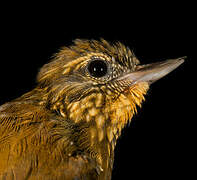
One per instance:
(67, 127)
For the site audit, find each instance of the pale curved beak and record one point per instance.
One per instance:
(152, 72)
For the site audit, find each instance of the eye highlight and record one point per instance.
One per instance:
(97, 68)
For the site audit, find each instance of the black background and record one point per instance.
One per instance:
(160, 140)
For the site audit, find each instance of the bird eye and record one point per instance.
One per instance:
(97, 68)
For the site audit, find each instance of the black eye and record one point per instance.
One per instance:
(97, 68)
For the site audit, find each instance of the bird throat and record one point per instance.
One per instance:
(104, 118)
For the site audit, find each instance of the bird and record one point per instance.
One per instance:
(68, 125)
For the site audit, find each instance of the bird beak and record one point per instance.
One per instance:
(152, 72)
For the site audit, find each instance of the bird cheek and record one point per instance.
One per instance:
(99, 100)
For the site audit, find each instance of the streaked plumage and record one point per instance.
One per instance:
(67, 127)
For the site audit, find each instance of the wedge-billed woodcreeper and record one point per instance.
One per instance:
(67, 127)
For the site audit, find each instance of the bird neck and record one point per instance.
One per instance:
(98, 120)
(103, 120)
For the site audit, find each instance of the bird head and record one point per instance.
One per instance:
(99, 84)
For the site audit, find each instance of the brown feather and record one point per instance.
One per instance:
(67, 127)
